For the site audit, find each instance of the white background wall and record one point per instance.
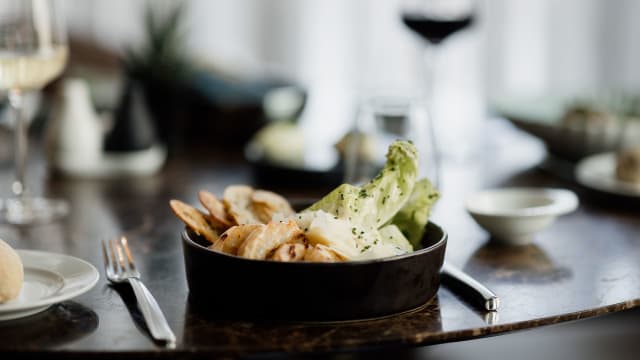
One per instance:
(343, 50)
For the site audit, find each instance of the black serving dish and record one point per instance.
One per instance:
(231, 287)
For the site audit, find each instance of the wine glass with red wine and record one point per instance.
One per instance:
(435, 21)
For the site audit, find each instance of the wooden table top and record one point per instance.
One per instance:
(585, 264)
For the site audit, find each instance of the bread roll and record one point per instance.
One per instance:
(11, 273)
(628, 165)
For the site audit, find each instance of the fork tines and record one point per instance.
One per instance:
(114, 252)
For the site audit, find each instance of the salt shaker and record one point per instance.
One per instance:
(77, 133)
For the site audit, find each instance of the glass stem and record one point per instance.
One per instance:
(431, 59)
(21, 142)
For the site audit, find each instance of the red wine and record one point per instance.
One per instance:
(435, 30)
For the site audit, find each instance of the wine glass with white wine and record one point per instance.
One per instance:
(33, 52)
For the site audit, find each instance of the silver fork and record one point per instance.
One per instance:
(119, 267)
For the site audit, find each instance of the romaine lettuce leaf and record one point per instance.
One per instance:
(392, 235)
(375, 203)
(384, 217)
(412, 218)
(391, 188)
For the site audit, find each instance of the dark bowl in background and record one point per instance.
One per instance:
(230, 287)
(268, 173)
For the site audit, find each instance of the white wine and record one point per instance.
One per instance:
(31, 71)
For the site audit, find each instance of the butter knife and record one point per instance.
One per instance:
(469, 288)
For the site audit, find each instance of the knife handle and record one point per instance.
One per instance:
(469, 288)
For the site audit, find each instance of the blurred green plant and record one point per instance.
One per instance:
(163, 57)
(162, 67)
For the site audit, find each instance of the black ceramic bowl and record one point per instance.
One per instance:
(232, 287)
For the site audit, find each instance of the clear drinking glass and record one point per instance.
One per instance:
(33, 51)
(382, 120)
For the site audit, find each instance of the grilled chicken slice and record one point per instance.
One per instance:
(264, 240)
(237, 201)
(230, 240)
(195, 219)
(215, 207)
(289, 252)
(321, 253)
(265, 204)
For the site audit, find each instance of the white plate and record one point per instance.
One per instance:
(599, 172)
(49, 278)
